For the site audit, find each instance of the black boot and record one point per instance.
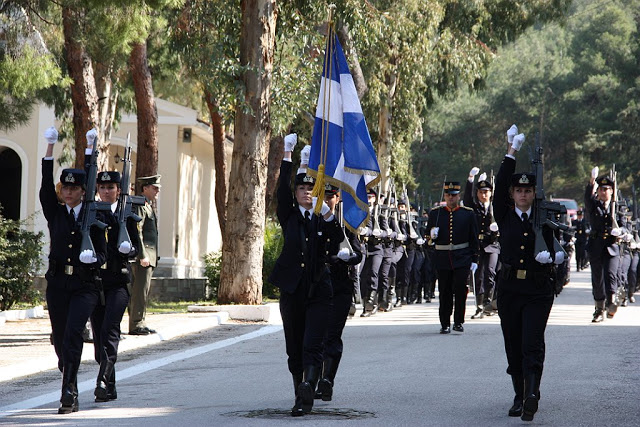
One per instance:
(296, 411)
(598, 315)
(69, 398)
(102, 383)
(307, 388)
(383, 300)
(112, 393)
(401, 297)
(370, 304)
(518, 388)
(612, 305)
(479, 314)
(486, 303)
(325, 385)
(530, 405)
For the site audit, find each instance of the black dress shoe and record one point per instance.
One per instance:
(139, 331)
(516, 409)
(151, 331)
(458, 327)
(445, 330)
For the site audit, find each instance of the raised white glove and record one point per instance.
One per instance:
(493, 226)
(594, 172)
(513, 130)
(124, 248)
(518, 140)
(473, 268)
(325, 208)
(51, 135)
(544, 257)
(377, 232)
(86, 257)
(474, 171)
(290, 141)
(304, 155)
(616, 232)
(420, 241)
(92, 135)
(434, 233)
(559, 258)
(482, 177)
(344, 254)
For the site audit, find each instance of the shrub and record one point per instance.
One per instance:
(19, 262)
(212, 267)
(273, 242)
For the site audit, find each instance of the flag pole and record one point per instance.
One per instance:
(318, 188)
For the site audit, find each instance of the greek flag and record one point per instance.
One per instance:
(340, 145)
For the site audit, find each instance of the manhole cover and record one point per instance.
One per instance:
(319, 413)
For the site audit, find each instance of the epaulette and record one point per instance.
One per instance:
(467, 208)
(439, 206)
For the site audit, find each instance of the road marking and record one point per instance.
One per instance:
(137, 370)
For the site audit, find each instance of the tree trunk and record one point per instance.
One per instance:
(276, 153)
(385, 117)
(219, 159)
(104, 88)
(147, 160)
(243, 243)
(83, 89)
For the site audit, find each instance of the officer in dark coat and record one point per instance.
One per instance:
(525, 286)
(116, 276)
(604, 252)
(343, 271)
(302, 275)
(485, 277)
(370, 276)
(581, 227)
(72, 292)
(454, 232)
(403, 268)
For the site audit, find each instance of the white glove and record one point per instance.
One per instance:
(518, 140)
(86, 257)
(124, 248)
(474, 171)
(634, 245)
(401, 237)
(493, 226)
(290, 141)
(473, 268)
(325, 208)
(420, 241)
(616, 232)
(627, 237)
(304, 155)
(363, 231)
(482, 177)
(434, 233)
(544, 257)
(513, 130)
(51, 135)
(594, 172)
(377, 232)
(344, 254)
(92, 135)
(559, 258)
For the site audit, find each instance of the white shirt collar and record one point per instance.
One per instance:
(519, 212)
(303, 210)
(76, 210)
(114, 206)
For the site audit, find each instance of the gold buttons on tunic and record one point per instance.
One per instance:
(70, 246)
(302, 265)
(521, 261)
(526, 234)
(522, 247)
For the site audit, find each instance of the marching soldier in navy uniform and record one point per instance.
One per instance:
(525, 286)
(581, 227)
(370, 275)
(489, 247)
(604, 252)
(116, 276)
(72, 292)
(454, 231)
(302, 276)
(403, 268)
(343, 271)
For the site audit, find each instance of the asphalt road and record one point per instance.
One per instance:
(396, 370)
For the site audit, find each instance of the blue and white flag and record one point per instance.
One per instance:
(341, 144)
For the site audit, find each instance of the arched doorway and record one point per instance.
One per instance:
(10, 182)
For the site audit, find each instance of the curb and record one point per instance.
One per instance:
(14, 315)
(253, 313)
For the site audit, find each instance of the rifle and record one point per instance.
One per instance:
(614, 197)
(412, 231)
(89, 213)
(376, 211)
(126, 201)
(545, 212)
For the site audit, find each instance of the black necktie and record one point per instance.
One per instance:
(72, 218)
(525, 217)
(307, 222)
